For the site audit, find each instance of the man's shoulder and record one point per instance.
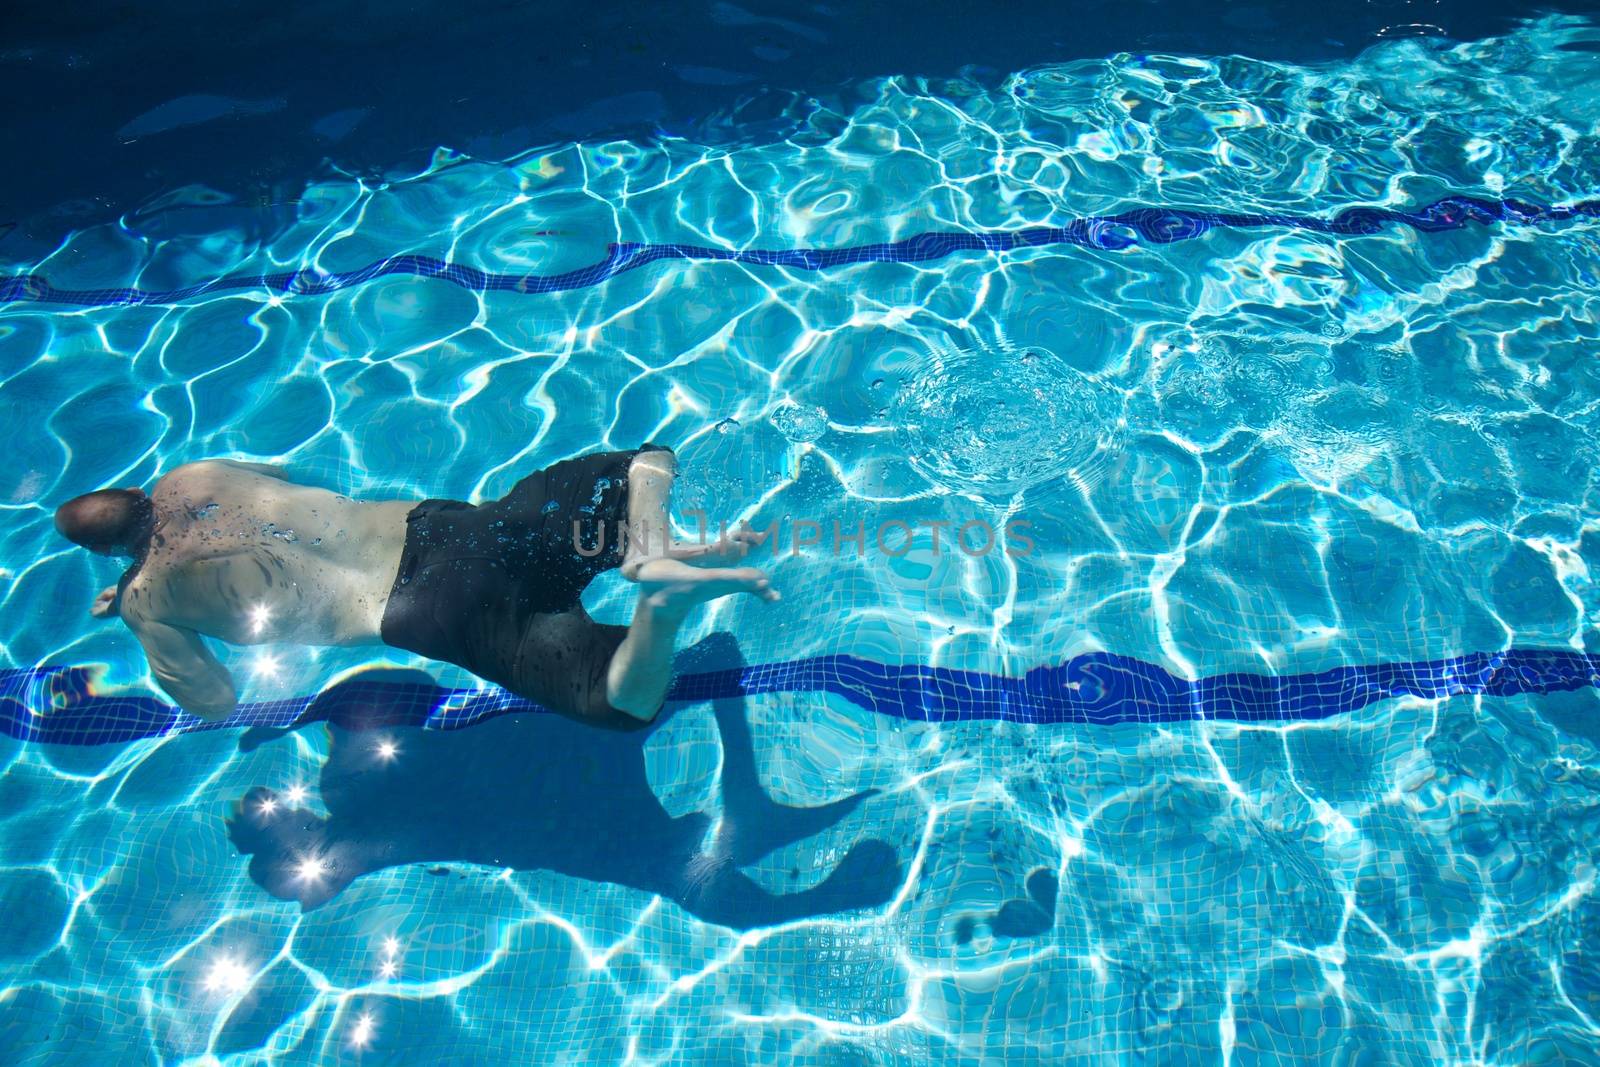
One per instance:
(134, 601)
(213, 467)
(217, 475)
(186, 475)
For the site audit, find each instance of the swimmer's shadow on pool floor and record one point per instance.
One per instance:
(537, 791)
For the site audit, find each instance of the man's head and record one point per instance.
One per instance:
(111, 522)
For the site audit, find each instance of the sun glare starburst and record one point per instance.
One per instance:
(227, 975)
(311, 868)
(362, 1032)
(266, 665)
(390, 968)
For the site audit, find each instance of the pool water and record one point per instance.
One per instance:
(1265, 733)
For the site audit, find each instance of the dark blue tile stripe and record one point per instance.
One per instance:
(57, 705)
(1142, 226)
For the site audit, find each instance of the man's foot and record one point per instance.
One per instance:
(673, 586)
(731, 548)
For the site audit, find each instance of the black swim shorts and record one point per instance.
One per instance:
(495, 587)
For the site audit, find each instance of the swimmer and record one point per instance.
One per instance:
(238, 552)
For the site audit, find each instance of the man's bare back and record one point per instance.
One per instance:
(241, 554)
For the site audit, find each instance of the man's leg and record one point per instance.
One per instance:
(669, 587)
(649, 536)
(641, 668)
(614, 676)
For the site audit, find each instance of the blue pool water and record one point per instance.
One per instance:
(1268, 735)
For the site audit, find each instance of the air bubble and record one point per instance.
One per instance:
(799, 422)
(1336, 432)
(990, 421)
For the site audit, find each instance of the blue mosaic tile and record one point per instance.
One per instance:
(58, 705)
(1111, 232)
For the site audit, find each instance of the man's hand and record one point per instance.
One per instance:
(105, 605)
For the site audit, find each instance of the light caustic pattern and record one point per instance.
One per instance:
(1260, 450)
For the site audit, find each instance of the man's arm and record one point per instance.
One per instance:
(105, 605)
(109, 602)
(186, 669)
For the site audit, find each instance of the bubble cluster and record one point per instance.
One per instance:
(1336, 431)
(799, 422)
(994, 421)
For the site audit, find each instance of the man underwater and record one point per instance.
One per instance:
(238, 552)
